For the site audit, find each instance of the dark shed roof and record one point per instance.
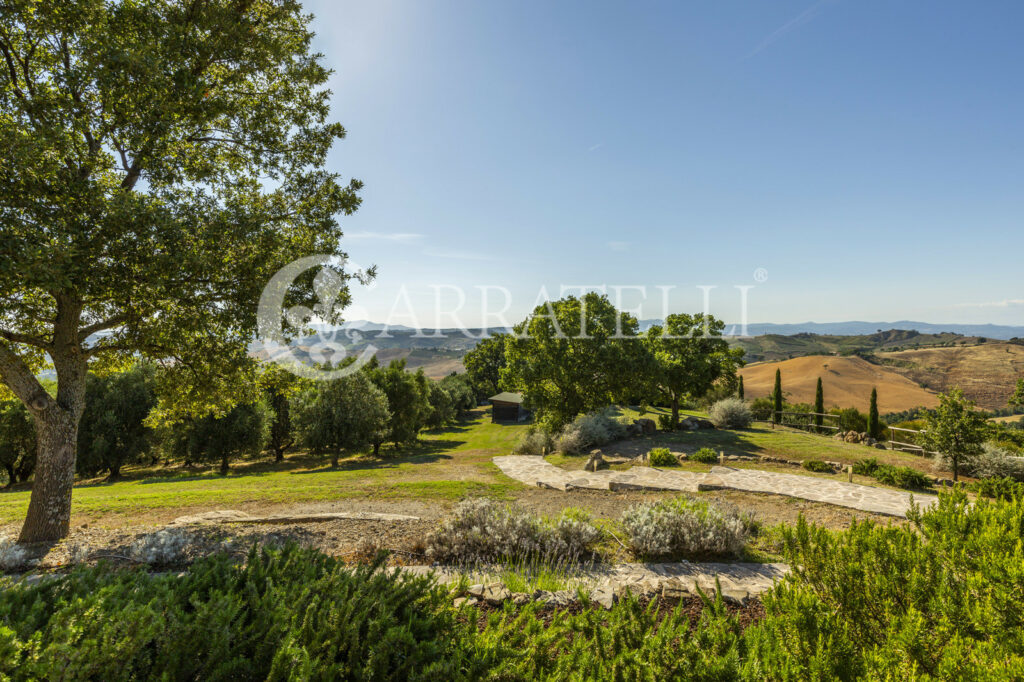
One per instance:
(507, 397)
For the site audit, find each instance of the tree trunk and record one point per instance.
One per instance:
(675, 413)
(334, 459)
(115, 473)
(376, 448)
(12, 478)
(224, 465)
(49, 507)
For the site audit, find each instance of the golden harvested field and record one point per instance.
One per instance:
(847, 382)
(435, 364)
(987, 373)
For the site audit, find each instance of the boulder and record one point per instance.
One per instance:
(735, 596)
(691, 423)
(852, 437)
(647, 426)
(520, 598)
(604, 596)
(496, 593)
(674, 588)
(880, 446)
(634, 430)
(595, 462)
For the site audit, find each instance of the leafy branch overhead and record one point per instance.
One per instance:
(163, 160)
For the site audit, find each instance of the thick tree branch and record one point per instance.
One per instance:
(22, 382)
(87, 331)
(27, 339)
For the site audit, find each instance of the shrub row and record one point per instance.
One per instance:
(873, 602)
(583, 433)
(901, 477)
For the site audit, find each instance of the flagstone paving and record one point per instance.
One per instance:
(739, 581)
(534, 470)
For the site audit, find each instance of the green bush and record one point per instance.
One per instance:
(730, 413)
(662, 457)
(665, 422)
(902, 477)
(818, 466)
(295, 614)
(683, 528)
(1004, 488)
(867, 467)
(704, 456)
(590, 431)
(536, 441)
(938, 598)
(761, 409)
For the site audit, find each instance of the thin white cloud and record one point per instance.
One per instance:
(618, 246)
(1006, 303)
(796, 22)
(596, 147)
(387, 236)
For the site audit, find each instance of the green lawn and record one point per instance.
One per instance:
(445, 465)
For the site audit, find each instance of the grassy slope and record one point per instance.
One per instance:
(446, 464)
(987, 373)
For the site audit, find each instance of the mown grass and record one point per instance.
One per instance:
(445, 465)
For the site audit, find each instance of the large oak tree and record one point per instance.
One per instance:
(690, 355)
(162, 159)
(575, 355)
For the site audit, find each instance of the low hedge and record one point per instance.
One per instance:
(873, 602)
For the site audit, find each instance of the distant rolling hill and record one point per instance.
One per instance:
(782, 347)
(847, 382)
(987, 372)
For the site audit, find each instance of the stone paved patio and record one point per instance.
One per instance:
(534, 470)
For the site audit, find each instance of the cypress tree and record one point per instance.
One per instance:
(740, 391)
(819, 404)
(777, 397)
(874, 427)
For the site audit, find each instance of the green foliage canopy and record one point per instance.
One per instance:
(162, 160)
(574, 356)
(689, 355)
(955, 430)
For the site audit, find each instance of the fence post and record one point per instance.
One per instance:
(721, 457)
(849, 473)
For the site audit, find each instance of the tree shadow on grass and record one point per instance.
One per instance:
(732, 442)
(423, 452)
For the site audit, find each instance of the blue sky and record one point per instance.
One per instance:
(865, 157)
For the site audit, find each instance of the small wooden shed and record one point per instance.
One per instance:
(507, 407)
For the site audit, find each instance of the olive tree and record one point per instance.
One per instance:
(408, 399)
(955, 430)
(113, 431)
(162, 159)
(347, 413)
(17, 441)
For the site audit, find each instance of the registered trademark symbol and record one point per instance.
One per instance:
(760, 275)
